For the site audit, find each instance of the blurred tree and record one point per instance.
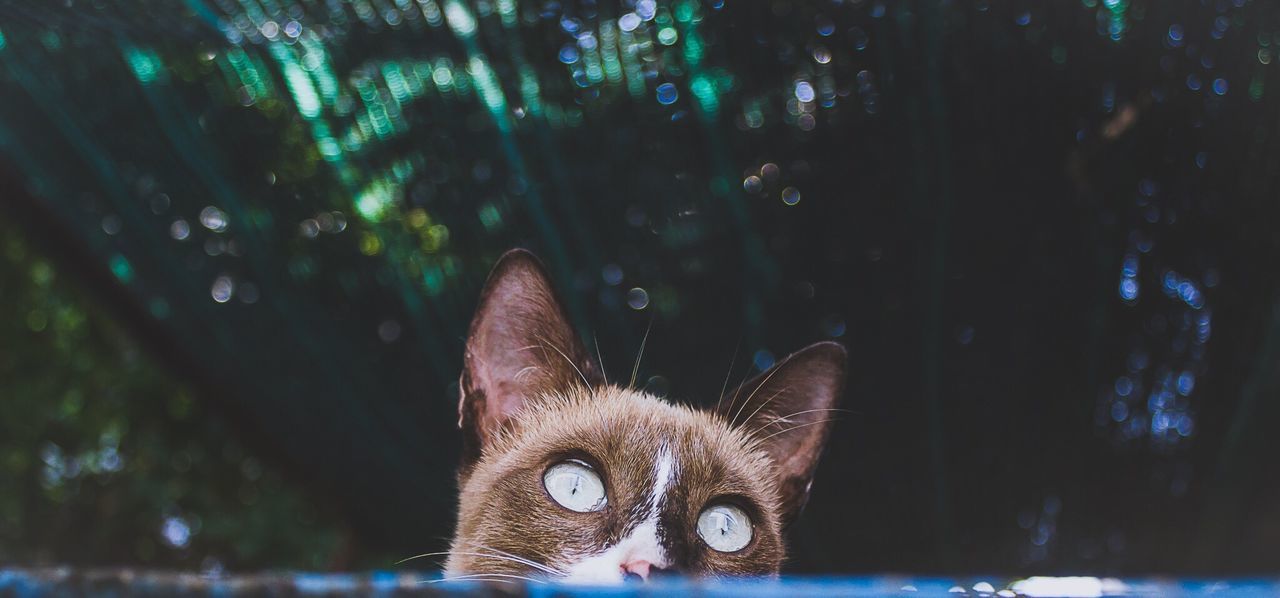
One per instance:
(105, 455)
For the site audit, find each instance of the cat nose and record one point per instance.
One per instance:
(641, 569)
(637, 568)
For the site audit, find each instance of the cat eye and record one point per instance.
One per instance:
(575, 486)
(724, 527)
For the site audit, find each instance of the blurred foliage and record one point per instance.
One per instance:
(125, 462)
(1044, 230)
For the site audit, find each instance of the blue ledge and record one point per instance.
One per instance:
(57, 582)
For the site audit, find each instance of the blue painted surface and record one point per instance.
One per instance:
(58, 582)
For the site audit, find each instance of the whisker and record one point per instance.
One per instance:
(794, 428)
(738, 390)
(635, 371)
(418, 556)
(763, 404)
(497, 555)
(786, 418)
(600, 358)
(524, 371)
(573, 365)
(486, 576)
(498, 577)
(519, 559)
(754, 391)
(725, 387)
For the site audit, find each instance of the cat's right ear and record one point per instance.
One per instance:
(790, 408)
(520, 347)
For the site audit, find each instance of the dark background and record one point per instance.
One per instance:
(242, 242)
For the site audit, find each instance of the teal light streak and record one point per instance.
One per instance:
(530, 91)
(375, 108)
(145, 64)
(507, 11)
(702, 84)
(463, 24)
(299, 84)
(704, 91)
(1118, 24)
(316, 62)
(121, 268)
(247, 72)
(490, 92)
(412, 80)
(361, 132)
(376, 199)
(609, 52)
(396, 82)
(442, 75)
(431, 11)
(460, 19)
(422, 73)
(693, 47)
(462, 83)
(591, 60)
(262, 84)
(631, 66)
(685, 11)
(490, 217)
(304, 94)
(325, 142)
(254, 12)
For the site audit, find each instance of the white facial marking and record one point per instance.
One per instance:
(664, 473)
(606, 567)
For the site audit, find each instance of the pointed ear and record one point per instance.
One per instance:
(520, 347)
(790, 409)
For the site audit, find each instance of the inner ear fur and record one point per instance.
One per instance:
(790, 408)
(520, 347)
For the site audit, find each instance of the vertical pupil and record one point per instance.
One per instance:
(575, 484)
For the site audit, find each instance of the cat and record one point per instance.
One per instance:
(566, 477)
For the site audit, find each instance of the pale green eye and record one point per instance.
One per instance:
(575, 486)
(724, 527)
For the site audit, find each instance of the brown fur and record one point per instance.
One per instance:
(532, 397)
(503, 507)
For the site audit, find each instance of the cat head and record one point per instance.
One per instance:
(564, 475)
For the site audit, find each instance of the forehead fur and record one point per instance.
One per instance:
(627, 418)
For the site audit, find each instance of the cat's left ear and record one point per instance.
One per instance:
(520, 347)
(790, 409)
